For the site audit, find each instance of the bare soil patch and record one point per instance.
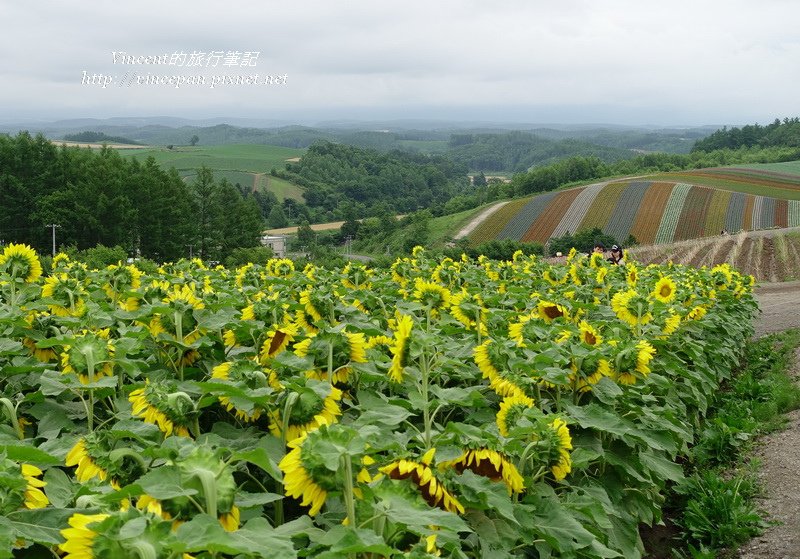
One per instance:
(780, 308)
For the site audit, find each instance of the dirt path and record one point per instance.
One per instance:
(480, 218)
(780, 307)
(779, 452)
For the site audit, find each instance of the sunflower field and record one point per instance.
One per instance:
(442, 408)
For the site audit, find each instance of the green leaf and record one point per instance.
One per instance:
(403, 510)
(40, 525)
(164, 483)
(482, 493)
(257, 537)
(595, 416)
(10, 347)
(344, 539)
(23, 453)
(384, 414)
(663, 467)
(244, 500)
(59, 488)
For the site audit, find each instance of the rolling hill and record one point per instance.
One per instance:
(653, 211)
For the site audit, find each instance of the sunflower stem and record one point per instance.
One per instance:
(143, 549)
(287, 410)
(426, 414)
(330, 363)
(178, 316)
(12, 415)
(349, 499)
(120, 453)
(209, 483)
(89, 354)
(478, 325)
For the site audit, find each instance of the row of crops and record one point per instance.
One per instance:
(467, 408)
(653, 212)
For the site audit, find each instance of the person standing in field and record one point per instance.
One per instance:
(616, 256)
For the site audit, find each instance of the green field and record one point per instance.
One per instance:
(236, 163)
(281, 187)
(249, 158)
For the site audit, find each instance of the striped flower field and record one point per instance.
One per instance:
(653, 212)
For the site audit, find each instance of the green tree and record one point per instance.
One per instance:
(305, 235)
(193, 140)
(277, 218)
(206, 210)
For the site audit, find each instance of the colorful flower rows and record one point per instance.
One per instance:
(275, 412)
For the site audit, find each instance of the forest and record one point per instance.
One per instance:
(100, 198)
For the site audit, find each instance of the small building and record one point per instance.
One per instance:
(277, 243)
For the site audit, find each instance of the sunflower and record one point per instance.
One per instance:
(41, 323)
(247, 275)
(589, 334)
(549, 311)
(696, 313)
(400, 346)
(468, 310)
(598, 368)
(632, 275)
(246, 374)
(121, 279)
(20, 261)
(204, 471)
(311, 307)
(310, 411)
(335, 349)
(34, 497)
(82, 455)
(421, 474)
(563, 464)
(21, 487)
(278, 339)
(631, 308)
(671, 323)
(304, 476)
(510, 410)
(80, 536)
(161, 405)
(633, 360)
(556, 275)
(356, 276)
(447, 272)
(284, 268)
(664, 290)
(488, 463)
(431, 294)
(644, 356)
(90, 356)
(67, 293)
(487, 358)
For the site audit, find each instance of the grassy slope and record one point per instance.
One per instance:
(237, 163)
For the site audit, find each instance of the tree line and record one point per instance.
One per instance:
(778, 133)
(100, 198)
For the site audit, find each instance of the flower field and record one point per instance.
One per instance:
(454, 408)
(653, 212)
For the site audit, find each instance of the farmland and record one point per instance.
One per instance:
(243, 164)
(654, 212)
(769, 256)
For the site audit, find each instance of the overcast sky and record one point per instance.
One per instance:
(567, 61)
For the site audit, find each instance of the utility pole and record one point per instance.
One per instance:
(53, 227)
